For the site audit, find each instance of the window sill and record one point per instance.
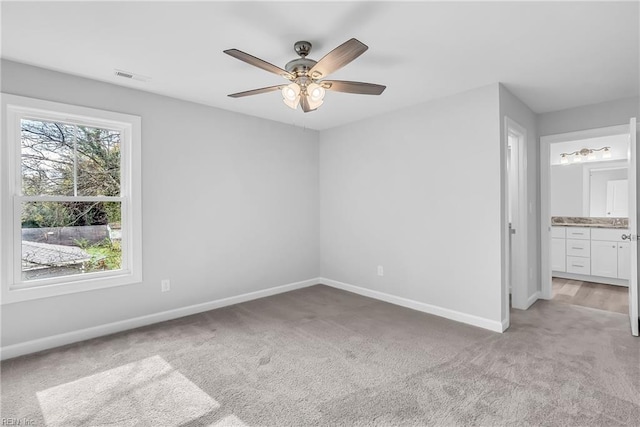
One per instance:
(20, 294)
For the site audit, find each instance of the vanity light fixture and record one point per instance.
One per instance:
(588, 153)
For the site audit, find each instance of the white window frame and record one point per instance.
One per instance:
(13, 289)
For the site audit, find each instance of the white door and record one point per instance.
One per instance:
(633, 230)
(617, 198)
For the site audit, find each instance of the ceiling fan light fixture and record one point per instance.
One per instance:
(304, 87)
(315, 95)
(291, 95)
(314, 104)
(315, 92)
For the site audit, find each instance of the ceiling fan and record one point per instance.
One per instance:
(307, 87)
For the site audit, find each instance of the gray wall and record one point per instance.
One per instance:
(418, 192)
(519, 112)
(593, 116)
(249, 185)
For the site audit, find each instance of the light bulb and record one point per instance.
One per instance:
(563, 159)
(606, 154)
(291, 95)
(315, 95)
(315, 92)
(577, 158)
(591, 155)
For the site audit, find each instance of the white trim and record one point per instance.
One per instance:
(533, 298)
(470, 319)
(123, 325)
(587, 278)
(13, 288)
(506, 322)
(520, 260)
(545, 194)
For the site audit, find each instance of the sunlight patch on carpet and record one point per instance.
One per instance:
(229, 421)
(146, 392)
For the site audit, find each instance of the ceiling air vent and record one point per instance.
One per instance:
(132, 76)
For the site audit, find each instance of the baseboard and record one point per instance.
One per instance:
(595, 279)
(492, 325)
(123, 325)
(533, 298)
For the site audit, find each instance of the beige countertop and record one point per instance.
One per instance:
(591, 222)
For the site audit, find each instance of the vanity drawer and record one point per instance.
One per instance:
(609, 234)
(580, 248)
(578, 265)
(581, 233)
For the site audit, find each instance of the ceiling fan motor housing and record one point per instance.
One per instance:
(300, 66)
(302, 48)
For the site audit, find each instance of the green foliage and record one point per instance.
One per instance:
(66, 160)
(45, 214)
(106, 255)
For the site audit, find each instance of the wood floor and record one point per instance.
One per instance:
(594, 295)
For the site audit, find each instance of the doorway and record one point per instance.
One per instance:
(588, 218)
(517, 216)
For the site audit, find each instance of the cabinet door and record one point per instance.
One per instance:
(604, 258)
(558, 232)
(558, 252)
(624, 257)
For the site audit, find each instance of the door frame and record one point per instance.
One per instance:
(518, 263)
(546, 291)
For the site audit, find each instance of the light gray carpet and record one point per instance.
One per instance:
(321, 356)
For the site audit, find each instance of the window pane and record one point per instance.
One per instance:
(98, 162)
(47, 158)
(67, 238)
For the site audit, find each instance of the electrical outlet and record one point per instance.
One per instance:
(165, 285)
(380, 271)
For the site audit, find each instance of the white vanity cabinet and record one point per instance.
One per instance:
(558, 249)
(578, 250)
(624, 257)
(612, 258)
(590, 254)
(604, 261)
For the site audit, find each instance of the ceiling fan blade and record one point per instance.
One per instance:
(304, 103)
(338, 58)
(353, 87)
(256, 91)
(257, 62)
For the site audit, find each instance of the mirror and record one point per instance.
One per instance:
(594, 189)
(589, 177)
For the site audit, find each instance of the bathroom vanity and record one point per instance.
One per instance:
(590, 249)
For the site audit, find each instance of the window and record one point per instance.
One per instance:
(70, 199)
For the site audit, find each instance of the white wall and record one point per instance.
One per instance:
(418, 191)
(230, 206)
(517, 111)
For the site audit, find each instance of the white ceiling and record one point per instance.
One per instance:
(551, 55)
